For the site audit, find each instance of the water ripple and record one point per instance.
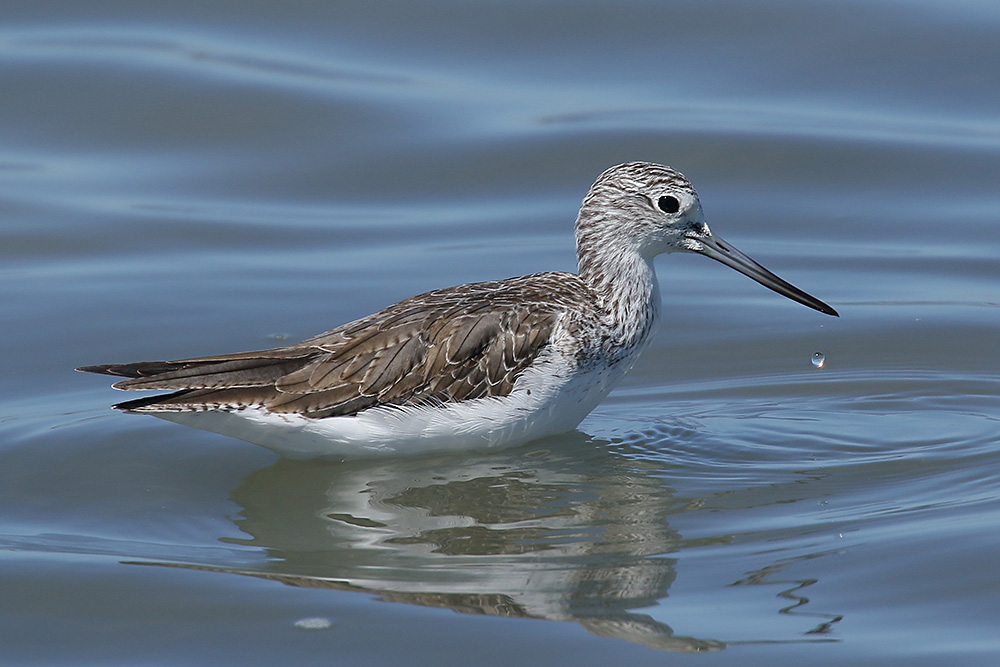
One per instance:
(186, 52)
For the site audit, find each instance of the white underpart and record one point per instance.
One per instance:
(552, 396)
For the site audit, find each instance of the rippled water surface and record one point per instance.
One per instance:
(182, 179)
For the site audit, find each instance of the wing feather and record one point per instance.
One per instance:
(461, 343)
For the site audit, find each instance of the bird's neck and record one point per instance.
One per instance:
(624, 284)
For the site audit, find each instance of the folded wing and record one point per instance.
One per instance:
(457, 344)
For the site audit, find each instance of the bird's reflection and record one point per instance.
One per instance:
(570, 530)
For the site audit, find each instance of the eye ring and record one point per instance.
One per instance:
(668, 204)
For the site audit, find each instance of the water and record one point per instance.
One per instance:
(193, 178)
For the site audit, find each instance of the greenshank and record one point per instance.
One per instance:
(487, 364)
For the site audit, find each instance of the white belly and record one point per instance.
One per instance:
(552, 397)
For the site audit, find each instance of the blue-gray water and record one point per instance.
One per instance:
(179, 179)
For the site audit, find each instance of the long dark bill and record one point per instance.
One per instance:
(719, 250)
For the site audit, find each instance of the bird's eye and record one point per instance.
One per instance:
(668, 204)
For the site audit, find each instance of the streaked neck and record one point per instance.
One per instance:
(625, 286)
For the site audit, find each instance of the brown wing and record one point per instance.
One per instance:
(455, 344)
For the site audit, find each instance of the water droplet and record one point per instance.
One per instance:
(819, 359)
(314, 623)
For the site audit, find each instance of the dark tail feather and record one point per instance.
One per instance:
(144, 369)
(196, 400)
(137, 404)
(198, 373)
